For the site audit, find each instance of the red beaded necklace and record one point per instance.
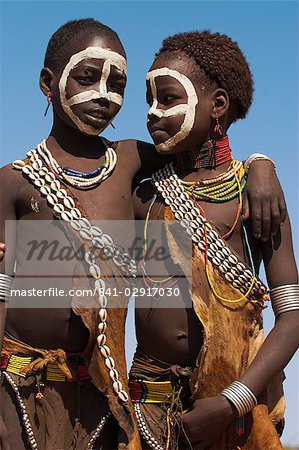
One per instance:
(210, 155)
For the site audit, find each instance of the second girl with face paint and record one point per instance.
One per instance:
(202, 376)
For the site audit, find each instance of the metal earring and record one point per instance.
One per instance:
(49, 101)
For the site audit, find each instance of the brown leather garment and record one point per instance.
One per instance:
(233, 334)
(115, 334)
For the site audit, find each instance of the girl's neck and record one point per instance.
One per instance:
(66, 140)
(212, 154)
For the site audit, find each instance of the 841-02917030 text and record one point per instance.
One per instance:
(141, 292)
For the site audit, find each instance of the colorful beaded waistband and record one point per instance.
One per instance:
(15, 363)
(144, 391)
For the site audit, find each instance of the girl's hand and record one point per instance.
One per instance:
(207, 420)
(2, 250)
(263, 200)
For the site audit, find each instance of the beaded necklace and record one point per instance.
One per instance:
(227, 186)
(223, 188)
(210, 155)
(81, 180)
(220, 189)
(237, 172)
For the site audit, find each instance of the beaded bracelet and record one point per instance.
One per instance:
(285, 298)
(241, 397)
(5, 287)
(255, 157)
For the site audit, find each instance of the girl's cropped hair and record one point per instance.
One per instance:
(221, 60)
(70, 31)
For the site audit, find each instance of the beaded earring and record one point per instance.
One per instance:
(218, 128)
(49, 101)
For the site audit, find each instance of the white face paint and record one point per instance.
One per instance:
(110, 59)
(186, 109)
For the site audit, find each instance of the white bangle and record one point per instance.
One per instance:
(5, 287)
(241, 397)
(285, 298)
(255, 157)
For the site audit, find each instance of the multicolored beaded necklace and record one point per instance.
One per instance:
(77, 179)
(223, 188)
(210, 155)
(220, 189)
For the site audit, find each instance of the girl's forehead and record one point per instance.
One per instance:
(92, 53)
(101, 43)
(173, 62)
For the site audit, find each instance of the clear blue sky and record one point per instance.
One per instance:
(266, 31)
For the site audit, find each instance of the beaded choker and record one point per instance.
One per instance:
(80, 180)
(210, 155)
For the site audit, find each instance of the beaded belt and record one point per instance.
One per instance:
(144, 391)
(15, 363)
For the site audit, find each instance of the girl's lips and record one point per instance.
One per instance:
(158, 135)
(96, 119)
(97, 114)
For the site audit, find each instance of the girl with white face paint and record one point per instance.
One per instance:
(187, 110)
(191, 359)
(177, 104)
(84, 78)
(100, 92)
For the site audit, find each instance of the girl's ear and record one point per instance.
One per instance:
(45, 79)
(221, 103)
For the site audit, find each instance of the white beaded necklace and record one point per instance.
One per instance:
(77, 179)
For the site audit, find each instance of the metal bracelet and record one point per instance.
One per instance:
(5, 287)
(255, 157)
(285, 298)
(241, 397)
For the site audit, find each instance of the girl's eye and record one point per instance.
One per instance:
(168, 98)
(85, 81)
(117, 88)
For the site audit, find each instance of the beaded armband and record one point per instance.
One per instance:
(255, 157)
(285, 298)
(241, 397)
(5, 287)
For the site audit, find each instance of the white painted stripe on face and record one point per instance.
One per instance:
(104, 77)
(86, 96)
(176, 110)
(110, 58)
(98, 53)
(154, 110)
(187, 109)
